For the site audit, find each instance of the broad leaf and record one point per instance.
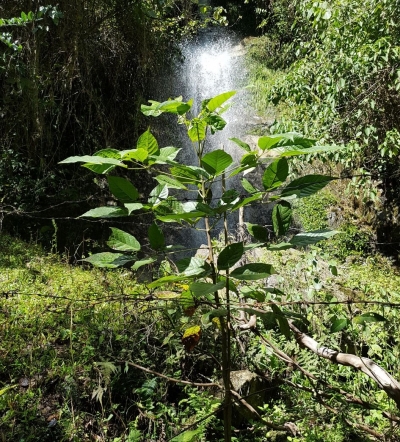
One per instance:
(166, 154)
(281, 217)
(252, 272)
(230, 255)
(193, 267)
(122, 189)
(201, 289)
(105, 212)
(368, 317)
(308, 238)
(339, 324)
(133, 206)
(292, 151)
(164, 280)
(189, 435)
(246, 201)
(287, 139)
(156, 237)
(148, 142)
(158, 194)
(216, 162)
(170, 106)
(93, 160)
(108, 260)
(258, 232)
(123, 241)
(306, 186)
(172, 183)
(241, 144)
(248, 186)
(142, 262)
(139, 155)
(216, 123)
(219, 100)
(197, 129)
(103, 168)
(275, 174)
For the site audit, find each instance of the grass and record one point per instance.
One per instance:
(57, 322)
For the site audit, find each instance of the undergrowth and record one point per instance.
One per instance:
(67, 332)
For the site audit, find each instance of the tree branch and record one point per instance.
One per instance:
(385, 381)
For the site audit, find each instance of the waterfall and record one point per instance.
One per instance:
(211, 63)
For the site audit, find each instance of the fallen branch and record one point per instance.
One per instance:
(385, 381)
(288, 427)
(176, 381)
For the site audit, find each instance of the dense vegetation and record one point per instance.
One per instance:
(287, 339)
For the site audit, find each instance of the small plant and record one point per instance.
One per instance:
(215, 282)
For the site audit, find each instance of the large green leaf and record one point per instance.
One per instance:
(189, 435)
(252, 272)
(158, 194)
(275, 174)
(287, 139)
(103, 168)
(247, 186)
(197, 129)
(200, 289)
(308, 238)
(245, 201)
(93, 160)
(148, 142)
(339, 324)
(174, 107)
(123, 241)
(368, 317)
(139, 155)
(241, 144)
(230, 255)
(292, 151)
(165, 280)
(193, 267)
(156, 237)
(216, 162)
(216, 123)
(105, 212)
(165, 155)
(170, 106)
(122, 189)
(189, 174)
(133, 206)
(142, 262)
(108, 259)
(219, 100)
(258, 232)
(171, 182)
(306, 186)
(266, 143)
(281, 217)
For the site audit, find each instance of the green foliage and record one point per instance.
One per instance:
(222, 268)
(312, 212)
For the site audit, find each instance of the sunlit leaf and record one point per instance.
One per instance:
(123, 241)
(105, 212)
(122, 189)
(108, 259)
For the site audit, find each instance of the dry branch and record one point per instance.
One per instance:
(385, 381)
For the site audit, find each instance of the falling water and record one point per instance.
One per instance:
(211, 64)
